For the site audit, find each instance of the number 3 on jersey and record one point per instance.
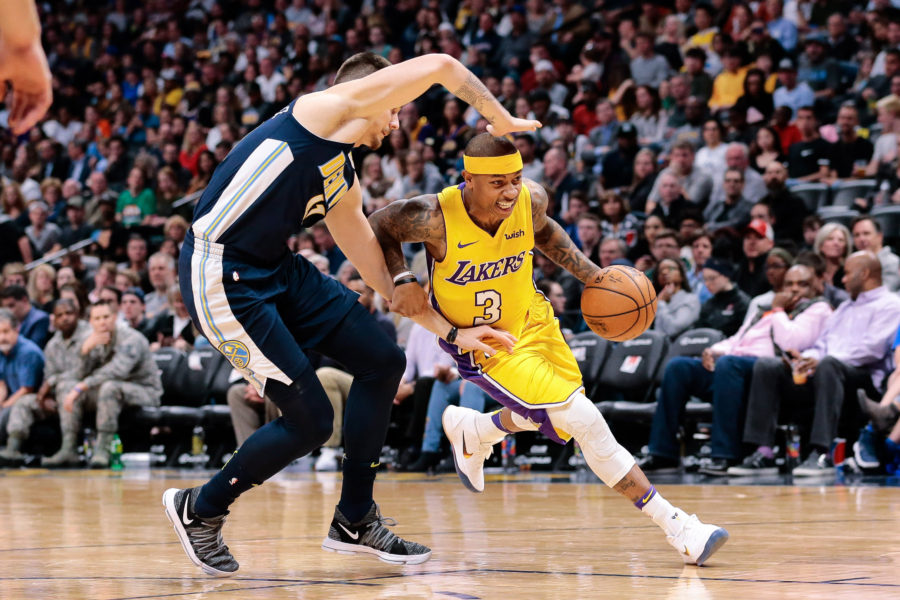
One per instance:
(489, 300)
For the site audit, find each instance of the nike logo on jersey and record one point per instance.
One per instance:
(461, 245)
(184, 517)
(354, 536)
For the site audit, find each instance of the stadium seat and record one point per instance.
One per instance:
(837, 214)
(889, 219)
(171, 363)
(200, 372)
(848, 191)
(590, 350)
(631, 366)
(690, 343)
(813, 195)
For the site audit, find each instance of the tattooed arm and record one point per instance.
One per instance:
(415, 220)
(421, 220)
(553, 241)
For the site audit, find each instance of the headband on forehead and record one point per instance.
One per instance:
(493, 165)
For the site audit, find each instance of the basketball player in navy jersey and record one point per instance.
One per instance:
(262, 306)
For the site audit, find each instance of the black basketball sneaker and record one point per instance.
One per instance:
(372, 536)
(200, 538)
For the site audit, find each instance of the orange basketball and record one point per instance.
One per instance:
(619, 303)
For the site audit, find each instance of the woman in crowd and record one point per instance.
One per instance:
(834, 244)
(711, 157)
(755, 95)
(137, 201)
(766, 149)
(616, 219)
(644, 177)
(13, 203)
(206, 164)
(677, 308)
(649, 118)
(105, 275)
(701, 249)
(42, 287)
(639, 254)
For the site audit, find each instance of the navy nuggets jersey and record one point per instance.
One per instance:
(275, 181)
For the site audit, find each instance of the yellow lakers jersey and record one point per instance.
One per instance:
(485, 279)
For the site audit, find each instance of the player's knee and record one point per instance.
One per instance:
(389, 363)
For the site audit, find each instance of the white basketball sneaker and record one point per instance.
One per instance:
(697, 541)
(469, 452)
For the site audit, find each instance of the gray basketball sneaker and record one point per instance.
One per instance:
(371, 536)
(200, 538)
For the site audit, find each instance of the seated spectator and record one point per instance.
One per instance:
(792, 94)
(21, 368)
(647, 67)
(701, 84)
(136, 254)
(617, 221)
(42, 287)
(75, 229)
(701, 245)
(590, 233)
(853, 351)
(695, 183)
(603, 136)
(544, 268)
(532, 166)
(850, 154)
(161, 272)
(671, 201)
(728, 85)
(788, 210)
(617, 168)
(649, 119)
(884, 422)
(755, 95)
(643, 180)
(611, 249)
(818, 69)
(766, 149)
(33, 323)
(834, 244)
(249, 410)
(722, 375)
(885, 151)
(417, 178)
(758, 239)
(737, 156)
(132, 306)
(809, 160)
(726, 309)
(558, 178)
(116, 369)
(172, 327)
(327, 246)
(44, 236)
(711, 157)
(778, 261)
(640, 254)
(13, 274)
(570, 321)
(677, 308)
(734, 209)
(336, 384)
(867, 235)
(61, 360)
(137, 201)
(578, 206)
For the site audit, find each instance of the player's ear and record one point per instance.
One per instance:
(467, 177)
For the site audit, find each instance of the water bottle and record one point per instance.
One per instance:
(198, 447)
(87, 447)
(115, 453)
(792, 444)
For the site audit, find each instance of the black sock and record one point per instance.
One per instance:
(356, 492)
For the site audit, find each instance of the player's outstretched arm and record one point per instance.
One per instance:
(24, 64)
(553, 241)
(399, 84)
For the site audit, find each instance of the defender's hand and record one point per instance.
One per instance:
(471, 339)
(32, 92)
(409, 300)
(512, 124)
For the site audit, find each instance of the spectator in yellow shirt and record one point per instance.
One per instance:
(728, 85)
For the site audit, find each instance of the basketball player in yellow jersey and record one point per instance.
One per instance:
(479, 238)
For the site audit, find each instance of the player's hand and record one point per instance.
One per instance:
(471, 339)
(512, 124)
(32, 92)
(409, 300)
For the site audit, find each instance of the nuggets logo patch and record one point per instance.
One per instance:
(236, 353)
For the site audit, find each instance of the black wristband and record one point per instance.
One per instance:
(451, 337)
(406, 279)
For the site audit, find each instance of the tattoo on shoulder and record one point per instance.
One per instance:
(474, 92)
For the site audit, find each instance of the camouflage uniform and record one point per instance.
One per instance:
(61, 358)
(119, 374)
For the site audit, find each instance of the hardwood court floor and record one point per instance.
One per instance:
(97, 535)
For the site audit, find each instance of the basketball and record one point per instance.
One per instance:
(619, 303)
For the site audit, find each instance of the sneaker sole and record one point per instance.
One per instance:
(168, 501)
(865, 464)
(715, 541)
(742, 472)
(339, 547)
(462, 476)
(821, 473)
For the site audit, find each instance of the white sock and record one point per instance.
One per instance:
(486, 428)
(668, 517)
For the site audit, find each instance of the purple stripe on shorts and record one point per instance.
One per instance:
(473, 373)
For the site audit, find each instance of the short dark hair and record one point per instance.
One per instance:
(114, 290)
(809, 109)
(698, 53)
(485, 144)
(99, 303)
(812, 260)
(16, 292)
(861, 218)
(65, 302)
(359, 65)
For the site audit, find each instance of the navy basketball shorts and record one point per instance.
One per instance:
(260, 317)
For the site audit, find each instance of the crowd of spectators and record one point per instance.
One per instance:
(674, 136)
